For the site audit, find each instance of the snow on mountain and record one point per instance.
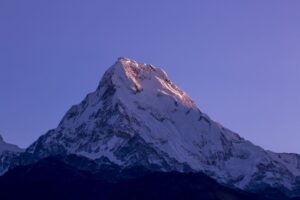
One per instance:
(6, 147)
(137, 116)
(7, 153)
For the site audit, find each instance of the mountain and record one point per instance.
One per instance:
(7, 153)
(6, 147)
(52, 178)
(138, 118)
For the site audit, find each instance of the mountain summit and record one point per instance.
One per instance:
(138, 117)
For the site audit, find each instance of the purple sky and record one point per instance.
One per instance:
(239, 60)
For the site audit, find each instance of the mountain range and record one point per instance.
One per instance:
(137, 119)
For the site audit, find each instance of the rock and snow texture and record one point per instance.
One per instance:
(7, 153)
(137, 116)
(6, 147)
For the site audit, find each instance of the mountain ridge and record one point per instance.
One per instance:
(138, 117)
(4, 146)
(53, 178)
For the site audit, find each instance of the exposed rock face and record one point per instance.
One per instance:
(138, 117)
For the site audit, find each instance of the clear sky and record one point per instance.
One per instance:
(239, 60)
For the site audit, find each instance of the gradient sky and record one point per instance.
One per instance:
(239, 60)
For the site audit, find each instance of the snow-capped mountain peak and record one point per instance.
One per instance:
(135, 77)
(137, 116)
